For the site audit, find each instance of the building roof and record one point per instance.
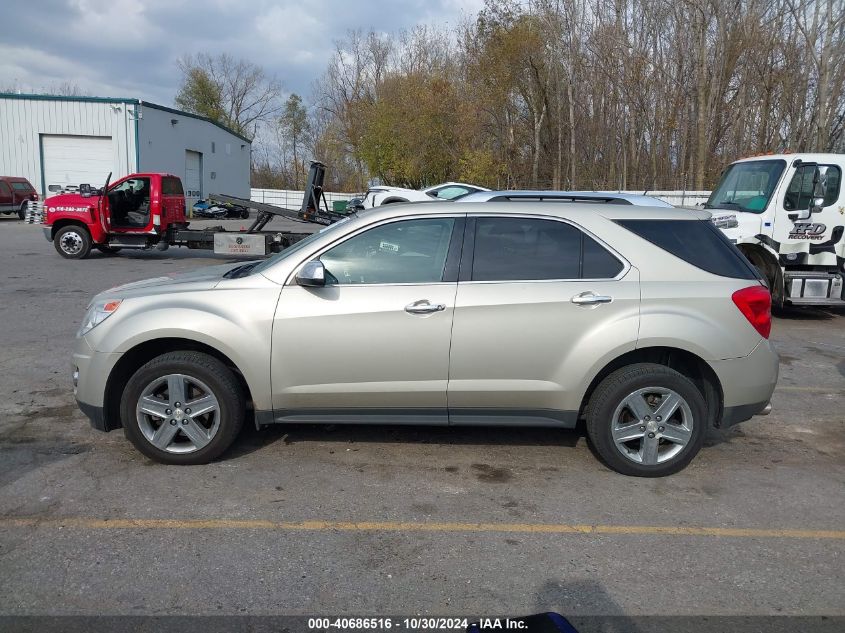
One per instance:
(139, 102)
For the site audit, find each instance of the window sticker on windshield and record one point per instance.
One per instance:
(387, 246)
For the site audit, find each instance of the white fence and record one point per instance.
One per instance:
(293, 199)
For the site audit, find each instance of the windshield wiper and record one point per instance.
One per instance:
(240, 271)
(725, 204)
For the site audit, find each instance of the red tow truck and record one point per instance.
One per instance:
(145, 211)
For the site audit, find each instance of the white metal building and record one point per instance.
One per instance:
(59, 141)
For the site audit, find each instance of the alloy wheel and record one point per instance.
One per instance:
(178, 413)
(652, 425)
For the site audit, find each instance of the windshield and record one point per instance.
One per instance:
(747, 186)
(295, 248)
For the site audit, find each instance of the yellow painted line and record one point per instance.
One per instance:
(403, 526)
(812, 389)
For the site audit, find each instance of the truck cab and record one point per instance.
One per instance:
(136, 211)
(786, 213)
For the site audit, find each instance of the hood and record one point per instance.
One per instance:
(204, 278)
(70, 200)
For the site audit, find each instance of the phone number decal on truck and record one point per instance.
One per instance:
(68, 209)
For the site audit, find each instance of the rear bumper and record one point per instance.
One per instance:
(747, 383)
(741, 413)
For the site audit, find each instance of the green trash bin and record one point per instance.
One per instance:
(339, 206)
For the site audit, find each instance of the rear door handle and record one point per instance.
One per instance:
(423, 306)
(590, 298)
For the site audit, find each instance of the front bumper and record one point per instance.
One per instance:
(747, 383)
(95, 416)
(93, 370)
(48, 232)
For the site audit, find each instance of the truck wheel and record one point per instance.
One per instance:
(22, 211)
(647, 420)
(182, 408)
(73, 242)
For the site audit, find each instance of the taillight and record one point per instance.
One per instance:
(755, 302)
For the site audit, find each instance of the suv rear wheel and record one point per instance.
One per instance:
(647, 420)
(182, 408)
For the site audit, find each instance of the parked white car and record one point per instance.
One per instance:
(377, 196)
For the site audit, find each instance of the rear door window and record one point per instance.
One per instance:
(22, 186)
(697, 242)
(532, 249)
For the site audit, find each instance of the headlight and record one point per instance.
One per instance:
(98, 312)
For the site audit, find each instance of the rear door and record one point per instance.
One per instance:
(373, 344)
(539, 302)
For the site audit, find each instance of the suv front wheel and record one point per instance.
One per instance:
(647, 420)
(182, 408)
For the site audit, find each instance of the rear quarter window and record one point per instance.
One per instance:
(171, 187)
(22, 186)
(697, 242)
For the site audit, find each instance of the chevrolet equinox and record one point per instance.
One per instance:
(645, 323)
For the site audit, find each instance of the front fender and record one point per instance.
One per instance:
(238, 328)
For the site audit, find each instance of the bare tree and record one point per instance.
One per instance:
(235, 92)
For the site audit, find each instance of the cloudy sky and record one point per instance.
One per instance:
(128, 48)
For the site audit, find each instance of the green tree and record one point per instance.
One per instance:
(294, 129)
(201, 95)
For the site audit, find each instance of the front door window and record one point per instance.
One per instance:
(408, 251)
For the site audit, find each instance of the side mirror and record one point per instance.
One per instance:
(312, 274)
(819, 189)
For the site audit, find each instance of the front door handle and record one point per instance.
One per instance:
(423, 306)
(590, 298)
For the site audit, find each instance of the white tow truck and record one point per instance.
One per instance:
(786, 212)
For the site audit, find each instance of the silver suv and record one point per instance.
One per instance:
(646, 323)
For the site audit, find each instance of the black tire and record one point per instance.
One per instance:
(73, 242)
(611, 393)
(223, 385)
(22, 211)
(107, 250)
(245, 214)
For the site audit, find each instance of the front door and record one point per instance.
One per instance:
(373, 344)
(539, 302)
(818, 239)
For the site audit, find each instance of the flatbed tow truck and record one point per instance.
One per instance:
(146, 211)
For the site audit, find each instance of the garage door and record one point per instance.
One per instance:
(73, 160)
(193, 177)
